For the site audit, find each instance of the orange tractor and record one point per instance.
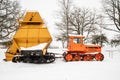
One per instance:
(77, 51)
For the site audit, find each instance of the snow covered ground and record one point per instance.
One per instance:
(109, 69)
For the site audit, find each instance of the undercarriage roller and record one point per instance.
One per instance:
(88, 58)
(76, 58)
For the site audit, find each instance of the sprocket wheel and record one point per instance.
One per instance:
(99, 57)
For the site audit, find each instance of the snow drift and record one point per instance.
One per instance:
(108, 69)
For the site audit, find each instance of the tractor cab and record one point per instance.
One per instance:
(76, 43)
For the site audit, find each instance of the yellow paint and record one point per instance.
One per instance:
(32, 31)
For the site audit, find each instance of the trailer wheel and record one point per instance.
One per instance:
(52, 59)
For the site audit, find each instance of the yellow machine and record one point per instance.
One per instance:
(32, 32)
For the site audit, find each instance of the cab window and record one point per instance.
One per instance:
(76, 40)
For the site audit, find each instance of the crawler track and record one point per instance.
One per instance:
(35, 56)
(83, 57)
(34, 59)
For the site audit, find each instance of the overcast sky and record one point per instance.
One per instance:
(47, 8)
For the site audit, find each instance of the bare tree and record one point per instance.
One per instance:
(83, 21)
(62, 38)
(63, 16)
(112, 9)
(99, 39)
(9, 11)
(115, 41)
(74, 20)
